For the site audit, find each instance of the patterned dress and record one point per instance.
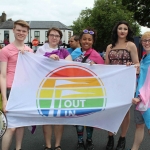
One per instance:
(119, 56)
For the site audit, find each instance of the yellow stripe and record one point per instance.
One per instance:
(78, 82)
(89, 92)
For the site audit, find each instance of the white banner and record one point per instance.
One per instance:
(45, 91)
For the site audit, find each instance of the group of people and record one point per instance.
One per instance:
(122, 51)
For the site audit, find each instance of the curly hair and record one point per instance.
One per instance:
(93, 35)
(115, 34)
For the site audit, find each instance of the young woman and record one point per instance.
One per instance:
(142, 95)
(86, 54)
(122, 51)
(51, 49)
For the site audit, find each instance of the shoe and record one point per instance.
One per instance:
(80, 146)
(121, 143)
(46, 148)
(57, 148)
(89, 144)
(110, 143)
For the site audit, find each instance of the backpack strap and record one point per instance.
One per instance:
(85, 58)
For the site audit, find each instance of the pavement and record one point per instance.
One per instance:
(69, 139)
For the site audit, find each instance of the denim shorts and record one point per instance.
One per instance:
(138, 118)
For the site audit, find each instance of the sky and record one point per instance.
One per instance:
(65, 11)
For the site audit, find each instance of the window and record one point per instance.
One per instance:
(69, 35)
(37, 35)
(6, 37)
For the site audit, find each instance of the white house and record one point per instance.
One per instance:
(38, 29)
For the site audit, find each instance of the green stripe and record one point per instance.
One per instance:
(82, 103)
(88, 103)
(44, 103)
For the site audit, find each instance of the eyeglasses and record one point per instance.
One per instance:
(145, 41)
(52, 36)
(87, 31)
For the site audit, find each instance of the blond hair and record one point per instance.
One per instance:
(21, 23)
(145, 35)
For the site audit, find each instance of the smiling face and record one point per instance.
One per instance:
(54, 38)
(145, 40)
(86, 42)
(146, 43)
(122, 31)
(20, 33)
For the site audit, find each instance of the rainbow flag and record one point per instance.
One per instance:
(64, 92)
(143, 89)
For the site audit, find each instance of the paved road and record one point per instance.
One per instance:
(69, 140)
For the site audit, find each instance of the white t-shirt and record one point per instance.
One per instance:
(45, 48)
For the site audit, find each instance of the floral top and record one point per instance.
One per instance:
(119, 56)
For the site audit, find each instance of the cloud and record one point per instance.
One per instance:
(144, 29)
(65, 11)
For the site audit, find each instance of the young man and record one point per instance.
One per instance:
(74, 43)
(8, 59)
(141, 115)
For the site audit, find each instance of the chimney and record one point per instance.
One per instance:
(3, 18)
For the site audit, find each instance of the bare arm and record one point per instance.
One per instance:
(133, 53)
(3, 84)
(134, 57)
(68, 58)
(107, 52)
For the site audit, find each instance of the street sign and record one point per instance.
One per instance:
(35, 42)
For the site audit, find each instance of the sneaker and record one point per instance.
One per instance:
(110, 143)
(80, 146)
(89, 144)
(121, 143)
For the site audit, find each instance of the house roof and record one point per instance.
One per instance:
(37, 25)
(6, 25)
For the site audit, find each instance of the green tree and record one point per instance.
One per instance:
(82, 21)
(141, 10)
(103, 17)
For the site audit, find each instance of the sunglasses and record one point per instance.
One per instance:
(87, 31)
